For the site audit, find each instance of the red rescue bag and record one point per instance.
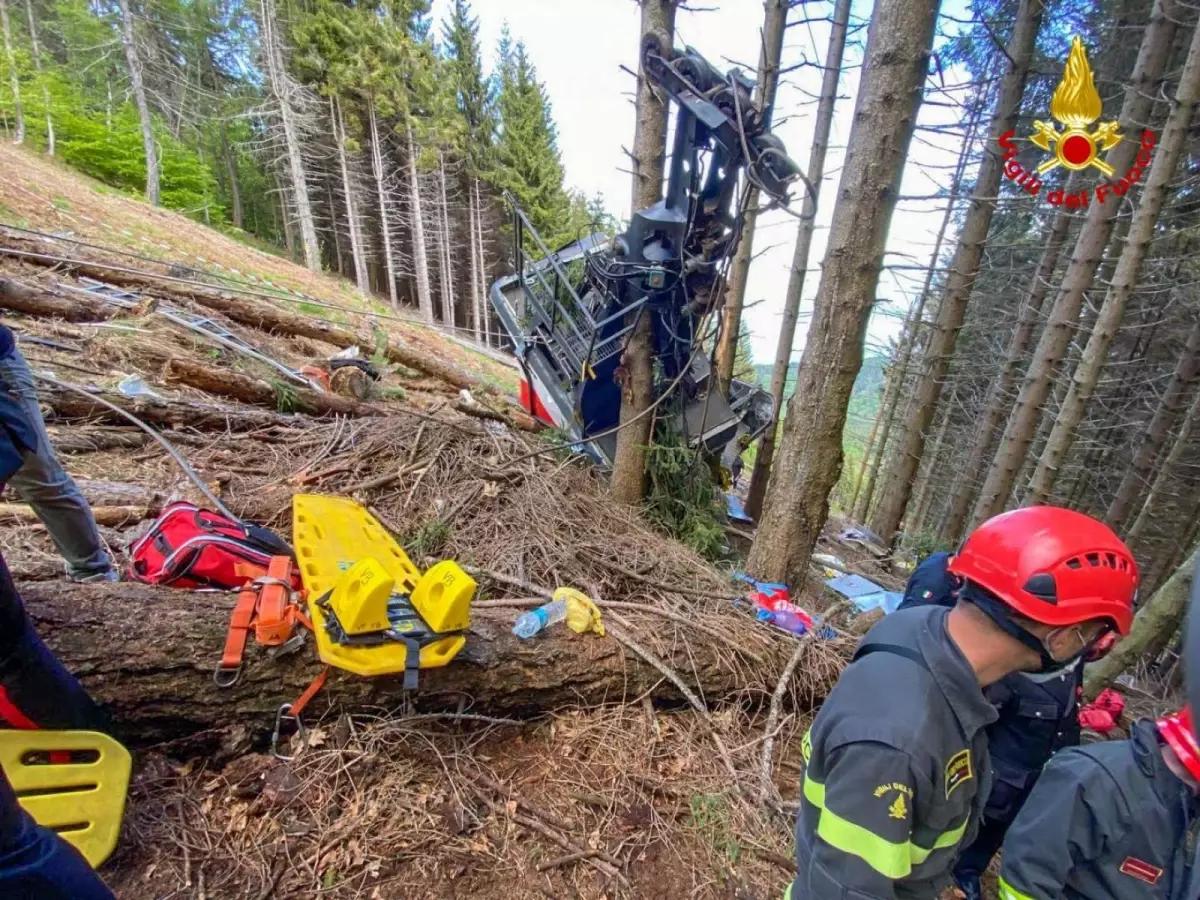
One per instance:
(189, 547)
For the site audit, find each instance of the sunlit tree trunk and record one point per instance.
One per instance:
(231, 170)
(353, 225)
(895, 64)
(420, 253)
(385, 219)
(960, 280)
(149, 145)
(808, 218)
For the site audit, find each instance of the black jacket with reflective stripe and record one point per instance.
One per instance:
(1036, 719)
(896, 767)
(1105, 822)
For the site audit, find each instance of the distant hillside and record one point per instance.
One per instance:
(864, 401)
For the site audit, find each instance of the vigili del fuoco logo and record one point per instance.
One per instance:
(1076, 105)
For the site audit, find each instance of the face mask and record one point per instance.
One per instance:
(1044, 675)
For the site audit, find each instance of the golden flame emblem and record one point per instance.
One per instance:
(1076, 104)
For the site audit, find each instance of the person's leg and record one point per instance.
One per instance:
(36, 864)
(44, 484)
(974, 860)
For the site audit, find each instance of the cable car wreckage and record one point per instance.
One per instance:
(570, 312)
(370, 610)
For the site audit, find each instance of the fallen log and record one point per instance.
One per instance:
(39, 302)
(254, 391)
(79, 440)
(168, 413)
(246, 312)
(109, 516)
(148, 654)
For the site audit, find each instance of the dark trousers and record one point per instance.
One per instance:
(36, 691)
(974, 860)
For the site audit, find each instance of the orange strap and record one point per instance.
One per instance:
(311, 691)
(264, 604)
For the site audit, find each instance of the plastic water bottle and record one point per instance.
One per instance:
(535, 620)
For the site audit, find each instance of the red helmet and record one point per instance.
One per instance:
(1176, 730)
(1052, 565)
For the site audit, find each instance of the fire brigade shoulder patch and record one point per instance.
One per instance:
(1142, 871)
(958, 771)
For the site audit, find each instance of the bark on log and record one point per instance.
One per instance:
(243, 388)
(37, 302)
(109, 516)
(248, 312)
(203, 416)
(148, 654)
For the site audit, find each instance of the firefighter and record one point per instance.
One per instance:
(1109, 821)
(896, 762)
(35, 692)
(1038, 716)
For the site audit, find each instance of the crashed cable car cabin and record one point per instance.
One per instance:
(571, 311)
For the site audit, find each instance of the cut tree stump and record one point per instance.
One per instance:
(256, 392)
(148, 654)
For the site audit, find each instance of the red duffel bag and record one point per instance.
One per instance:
(190, 547)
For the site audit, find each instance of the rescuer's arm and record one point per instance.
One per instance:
(1073, 810)
(865, 811)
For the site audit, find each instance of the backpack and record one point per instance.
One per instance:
(189, 547)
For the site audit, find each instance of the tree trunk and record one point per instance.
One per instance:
(289, 232)
(1129, 267)
(143, 107)
(333, 226)
(1138, 473)
(13, 79)
(996, 405)
(1090, 246)
(482, 297)
(1162, 614)
(281, 89)
(869, 449)
(256, 392)
(1166, 472)
(37, 301)
(964, 267)
(774, 23)
(156, 680)
(355, 227)
(420, 257)
(235, 188)
(912, 325)
(810, 460)
(446, 261)
(385, 218)
(649, 152)
(933, 471)
(795, 289)
(476, 269)
(37, 66)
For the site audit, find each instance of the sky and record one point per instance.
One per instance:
(580, 49)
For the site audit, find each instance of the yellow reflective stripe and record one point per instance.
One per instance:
(888, 858)
(1008, 892)
(787, 895)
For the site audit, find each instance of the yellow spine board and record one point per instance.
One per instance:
(81, 800)
(340, 545)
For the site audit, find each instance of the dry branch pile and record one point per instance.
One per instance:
(647, 762)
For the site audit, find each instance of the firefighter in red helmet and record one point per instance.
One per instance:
(896, 762)
(1109, 821)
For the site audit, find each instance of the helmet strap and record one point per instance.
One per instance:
(1001, 614)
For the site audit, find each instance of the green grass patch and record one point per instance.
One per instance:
(709, 815)
(428, 539)
(62, 204)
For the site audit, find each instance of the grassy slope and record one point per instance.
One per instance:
(46, 195)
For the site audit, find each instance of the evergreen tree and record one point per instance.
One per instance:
(528, 162)
(473, 93)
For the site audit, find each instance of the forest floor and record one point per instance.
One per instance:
(634, 797)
